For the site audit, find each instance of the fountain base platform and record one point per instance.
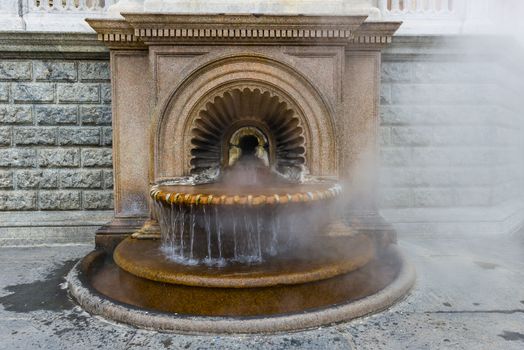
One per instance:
(330, 257)
(101, 287)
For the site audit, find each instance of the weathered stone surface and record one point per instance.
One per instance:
(396, 156)
(435, 177)
(5, 135)
(17, 157)
(17, 200)
(97, 200)
(15, 70)
(78, 92)
(433, 197)
(108, 179)
(435, 156)
(453, 72)
(56, 115)
(15, 114)
(26, 179)
(435, 94)
(443, 136)
(4, 92)
(395, 198)
(6, 179)
(35, 136)
(396, 72)
(105, 92)
(385, 136)
(385, 94)
(96, 70)
(97, 157)
(107, 136)
(81, 179)
(476, 196)
(95, 115)
(33, 92)
(59, 200)
(57, 157)
(79, 136)
(55, 70)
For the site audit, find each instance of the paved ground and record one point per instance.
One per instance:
(469, 295)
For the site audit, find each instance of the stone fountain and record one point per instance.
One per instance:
(244, 159)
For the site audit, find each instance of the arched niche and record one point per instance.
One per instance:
(175, 121)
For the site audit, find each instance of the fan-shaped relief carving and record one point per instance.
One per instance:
(248, 109)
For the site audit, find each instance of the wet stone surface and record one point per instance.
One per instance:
(468, 296)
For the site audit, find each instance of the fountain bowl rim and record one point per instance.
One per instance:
(169, 194)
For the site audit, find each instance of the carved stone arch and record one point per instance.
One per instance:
(173, 126)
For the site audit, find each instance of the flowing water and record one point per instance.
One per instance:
(217, 235)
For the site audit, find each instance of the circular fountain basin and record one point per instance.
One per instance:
(320, 272)
(329, 258)
(102, 288)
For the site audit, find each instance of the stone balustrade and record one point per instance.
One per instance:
(420, 17)
(442, 17)
(51, 15)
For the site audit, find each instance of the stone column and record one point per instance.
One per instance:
(10, 15)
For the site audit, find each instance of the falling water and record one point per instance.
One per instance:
(235, 240)
(199, 234)
(218, 221)
(181, 229)
(192, 231)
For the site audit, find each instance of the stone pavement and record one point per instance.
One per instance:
(468, 295)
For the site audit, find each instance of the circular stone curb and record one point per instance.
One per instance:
(93, 303)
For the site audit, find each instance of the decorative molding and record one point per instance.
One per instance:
(373, 35)
(22, 45)
(115, 33)
(143, 29)
(174, 119)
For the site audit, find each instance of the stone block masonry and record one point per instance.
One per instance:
(445, 134)
(451, 142)
(55, 135)
(451, 146)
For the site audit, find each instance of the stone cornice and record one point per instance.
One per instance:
(47, 45)
(139, 30)
(372, 35)
(115, 33)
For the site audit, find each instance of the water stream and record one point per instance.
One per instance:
(217, 235)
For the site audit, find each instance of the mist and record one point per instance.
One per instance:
(452, 130)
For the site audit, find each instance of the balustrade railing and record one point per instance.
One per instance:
(419, 16)
(418, 7)
(436, 16)
(63, 15)
(71, 5)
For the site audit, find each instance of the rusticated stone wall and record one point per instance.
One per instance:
(55, 135)
(451, 141)
(451, 138)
